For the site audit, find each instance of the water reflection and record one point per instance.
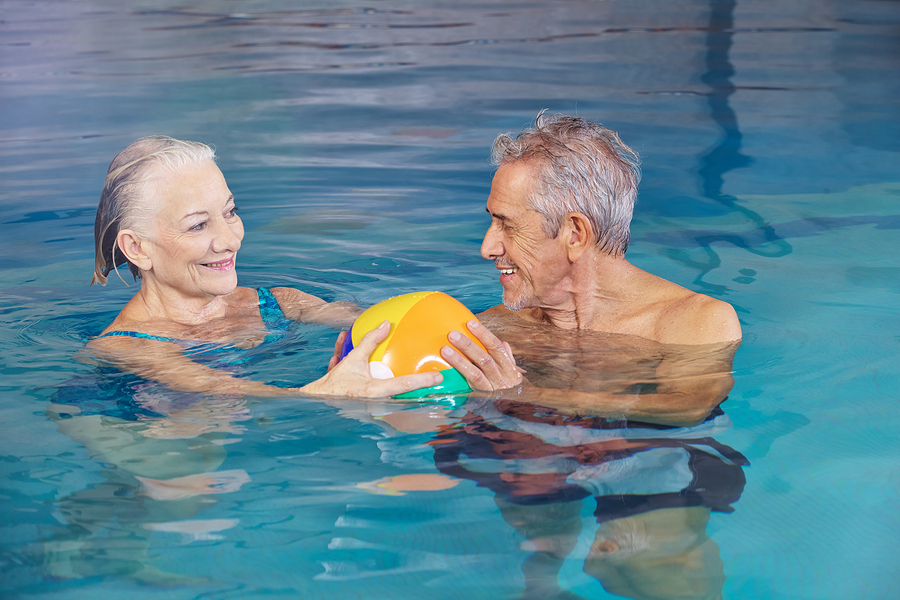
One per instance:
(654, 488)
(161, 454)
(725, 156)
(626, 421)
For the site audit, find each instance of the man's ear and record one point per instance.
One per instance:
(131, 245)
(579, 235)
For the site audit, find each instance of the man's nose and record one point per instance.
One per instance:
(492, 246)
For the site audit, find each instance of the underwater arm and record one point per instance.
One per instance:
(675, 403)
(679, 393)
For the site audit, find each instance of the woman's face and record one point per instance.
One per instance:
(196, 234)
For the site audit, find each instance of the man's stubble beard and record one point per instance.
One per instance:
(515, 305)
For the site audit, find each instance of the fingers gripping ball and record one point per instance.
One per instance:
(420, 323)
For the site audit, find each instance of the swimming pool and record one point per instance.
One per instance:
(356, 139)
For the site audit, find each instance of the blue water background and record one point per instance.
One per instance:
(355, 138)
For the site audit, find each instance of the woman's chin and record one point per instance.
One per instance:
(222, 285)
(230, 288)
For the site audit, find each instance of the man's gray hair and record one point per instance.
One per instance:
(582, 167)
(124, 200)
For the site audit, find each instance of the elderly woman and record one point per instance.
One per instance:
(166, 211)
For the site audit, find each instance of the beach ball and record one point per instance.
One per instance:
(420, 322)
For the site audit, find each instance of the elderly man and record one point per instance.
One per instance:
(599, 338)
(561, 205)
(575, 312)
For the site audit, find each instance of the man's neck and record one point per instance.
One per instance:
(601, 290)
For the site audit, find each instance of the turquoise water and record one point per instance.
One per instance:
(355, 138)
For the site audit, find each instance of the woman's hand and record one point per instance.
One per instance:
(488, 371)
(350, 377)
(338, 348)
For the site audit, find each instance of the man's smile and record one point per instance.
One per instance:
(507, 270)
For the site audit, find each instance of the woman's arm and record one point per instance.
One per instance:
(166, 363)
(306, 308)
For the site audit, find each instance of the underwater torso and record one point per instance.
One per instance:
(113, 393)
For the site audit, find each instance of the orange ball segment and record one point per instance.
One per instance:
(420, 322)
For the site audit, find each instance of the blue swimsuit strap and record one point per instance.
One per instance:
(269, 309)
(144, 336)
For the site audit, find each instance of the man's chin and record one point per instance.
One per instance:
(515, 304)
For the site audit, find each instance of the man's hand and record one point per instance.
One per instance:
(492, 370)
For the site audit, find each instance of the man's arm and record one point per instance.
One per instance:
(609, 375)
(680, 404)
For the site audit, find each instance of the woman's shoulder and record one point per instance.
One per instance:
(124, 339)
(126, 332)
(243, 297)
(128, 319)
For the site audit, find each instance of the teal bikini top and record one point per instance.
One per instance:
(273, 317)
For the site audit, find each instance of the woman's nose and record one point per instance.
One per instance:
(227, 236)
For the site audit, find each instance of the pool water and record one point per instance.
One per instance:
(355, 138)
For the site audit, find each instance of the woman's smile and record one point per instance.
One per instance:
(222, 265)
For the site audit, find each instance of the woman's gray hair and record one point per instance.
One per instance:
(123, 202)
(580, 167)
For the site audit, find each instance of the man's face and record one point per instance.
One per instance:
(531, 264)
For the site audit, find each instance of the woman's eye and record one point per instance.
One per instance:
(231, 213)
(198, 226)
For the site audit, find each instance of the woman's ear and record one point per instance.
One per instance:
(579, 235)
(131, 245)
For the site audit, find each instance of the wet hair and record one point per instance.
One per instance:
(124, 199)
(582, 167)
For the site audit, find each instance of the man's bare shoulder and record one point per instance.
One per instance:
(699, 319)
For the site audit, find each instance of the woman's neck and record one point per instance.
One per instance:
(158, 302)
